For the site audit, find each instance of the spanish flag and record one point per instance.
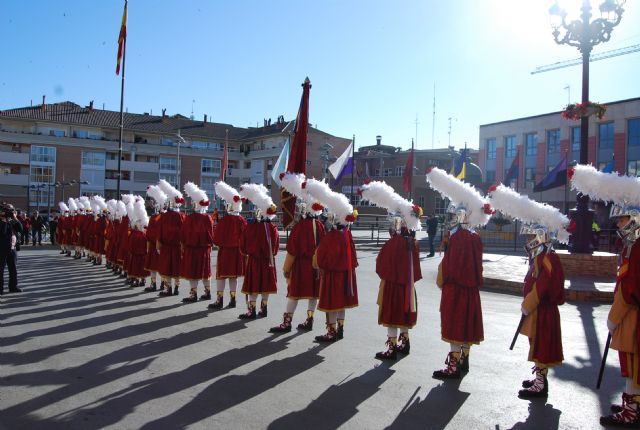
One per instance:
(122, 39)
(459, 168)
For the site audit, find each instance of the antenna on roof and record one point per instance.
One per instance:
(192, 117)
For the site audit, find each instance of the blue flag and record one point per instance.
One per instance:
(608, 168)
(555, 178)
(514, 170)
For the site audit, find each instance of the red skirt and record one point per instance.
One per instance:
(135, 266)
(229, 263)
(461, 315)
(196, 263)
(152, 259)
(112, 251)
(259, 278)
(335, 293)
(392, 306)
(305, 280)
(169, 262)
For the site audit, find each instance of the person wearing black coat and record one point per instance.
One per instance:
(10, 231)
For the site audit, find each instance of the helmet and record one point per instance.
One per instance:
(542, 237)
(458, 216)
(631, 231)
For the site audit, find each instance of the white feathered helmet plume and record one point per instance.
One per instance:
(230, 196)
(623, 191)
(140, 217)
(336, 203)
(258, 194)
(198, 197)
(112, 206)
(292, 182)
(64, 209)
(471, 209)
(541, 219)
(382, 195)
(95, 207)
(84, 201)
(127, 198)
(174, 196)
(157, 195)
(73, 207)
(79, 206)
(100, 205)
(121, 209)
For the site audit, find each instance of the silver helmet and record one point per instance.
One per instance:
(458, 216)
(541, 238)
(631, 231)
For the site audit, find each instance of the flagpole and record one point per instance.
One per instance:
(124, 60)
(411, 173)
(566, 185)
(353, 165)
(515, 225)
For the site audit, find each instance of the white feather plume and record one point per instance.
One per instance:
(84, 201)
(121, 209)
(381, 194)
(336, 203)
(197, 195)
(111, 207)
(73, 207)
(158, 196)
(521, 207)
(606, 186)
(227, 193)
(100, 203)
(460, 193)
(258, 194)
(126, 198)
(171, 192)
(63, 208)
(292, 182)
(141, 219)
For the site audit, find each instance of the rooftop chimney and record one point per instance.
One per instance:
(205, 118)
(378, 140)
(91, 106)
(164, 112)
(43, 101)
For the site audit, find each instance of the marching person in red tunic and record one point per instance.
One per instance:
(623, 319)
(260, 243)
(398, 266)
(460, 272)
(61, 229)
(170, 227)
(126, 261)
(152, 260)
(109, 233)
(120, 219)
(138, 244)
(72, 234)
(123, 235)
(100, 226)
(303, 280)
(197, 241)
(543, 284)
(227, 236)
(336, 258)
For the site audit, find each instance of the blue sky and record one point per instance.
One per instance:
(372, 63)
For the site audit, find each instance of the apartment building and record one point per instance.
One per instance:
(50, 152)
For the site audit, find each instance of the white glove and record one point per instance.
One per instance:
(611, 326)
(524, 311)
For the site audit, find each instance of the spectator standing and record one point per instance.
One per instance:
(53, 225)
(37, 222)
(10, 230)
(25, 224)
(432, 230)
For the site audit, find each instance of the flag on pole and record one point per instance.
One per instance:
(555, 178)
(281, 164)
(297, 162)
(225, 156)
(609, 167)
(407, 177)
(514, 170)
(343, 165)
(122, 38)
(459, 169)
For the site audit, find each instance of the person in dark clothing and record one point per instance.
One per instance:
(53, 225)
(432, 230)
(24, 221)
(10, 231)
(37, 222)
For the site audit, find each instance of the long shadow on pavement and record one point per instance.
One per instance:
(541, 416)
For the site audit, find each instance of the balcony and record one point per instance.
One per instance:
(136, 187)
(133, 166)
(14, 157)
(10, 179)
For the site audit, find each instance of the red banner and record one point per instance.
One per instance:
(407, 177)
(122, 38)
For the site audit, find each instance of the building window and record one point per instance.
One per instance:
(42, 174)
(211, 167)
(43, 154)
(633, 168)
(491, 149)
(269, 164)
(510, 149)
(634, 132)
(93, 159)
(207, 183)
(142, 158)
(113, 174)
(531, 144)
(56, 133)
(247, 164)
(553, 141)
(81, 134)
(491, 176)
(575, 140)
(605, 133)
(170, 178)
(440, 205)
(399, 170)
(167, 163)
(529, 177)
(114, 156)
(168, 141)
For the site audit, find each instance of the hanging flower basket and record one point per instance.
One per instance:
(575, 111)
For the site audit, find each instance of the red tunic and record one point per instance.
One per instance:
(304, 281)
(336, 257)
(123, 239)
(461, 270)
(197, 240)
(152, 261)
(547, 277)
(99, 237)
(60, 230)
(112, 237)
(73, 227)
(260, 243)
(628, 283)
(227, 236)
(138, 252)
(398, 265)
(169, 236)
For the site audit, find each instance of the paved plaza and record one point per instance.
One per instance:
(79, 350)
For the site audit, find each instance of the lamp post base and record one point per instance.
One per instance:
(581, 238)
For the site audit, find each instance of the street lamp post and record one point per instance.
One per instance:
(584, 34)
(37, 190)
(180, 142)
